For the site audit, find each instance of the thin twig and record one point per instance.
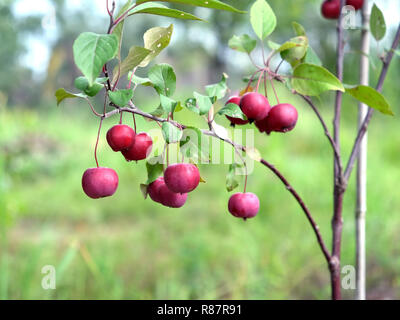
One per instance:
(364, 127)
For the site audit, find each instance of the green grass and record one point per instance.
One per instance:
(130, 248)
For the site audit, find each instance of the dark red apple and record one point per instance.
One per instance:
(171, 199)
(120, 137)
(331, 9)
(182, 177)
(255, 106)
(235, 121)
(282, 118)
(99, 182)
(262, 125)
(357, 4)
(244, 205)
(154, 189)
(140, 149)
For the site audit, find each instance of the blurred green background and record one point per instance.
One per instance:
(125, 247)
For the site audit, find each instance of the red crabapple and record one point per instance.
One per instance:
(182, 177)
(140, 149)
(357, 4)
(282, 118)
(255, 106)
(331, 9)
(171, 199)
(99, 182)
(154, 189)
(244, 205)
(120, 137)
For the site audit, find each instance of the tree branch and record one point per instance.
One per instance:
(364, 126)
(327, 134)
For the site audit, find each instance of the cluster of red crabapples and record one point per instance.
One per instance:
(171, 189)
(280, 118)
(331, 8)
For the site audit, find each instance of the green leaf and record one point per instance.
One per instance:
(118, 30)
(81, 83)
(163, 78)
(139, 80)
(168, 104)
(159, 112)
(62, 94)
(143, 190)
(161, 10)
(212, 4)
(121, 97)
(171, 133)
(135, 56)
(377, 23)
(273, 45)
(191, 143)
(298, 29)
(294, 50)
(312, 57)
(92, 51)
(262, 18)
(243, 43)
(232, 110)
(231, 178)
(204, 103)
(154, 169)
(156, 39)
(312, 80)
(371, 97)
(219, 89)
(191, 104)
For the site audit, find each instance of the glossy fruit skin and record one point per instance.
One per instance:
(99, 182)
(262, 125)
(120, 137)
(235, 121)
(182, 177)
(330, 9)
(154, 189)
(282, 118)
(244, 205)
(255, 106)
(140, 149)
(357, 4)
(171, 199)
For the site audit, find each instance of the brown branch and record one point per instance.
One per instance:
(327, 133)
(364, 126)
(337, 219)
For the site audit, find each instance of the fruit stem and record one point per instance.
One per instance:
(245, 180)
(259, 80)
(120, 117)
(273, 88)
(265, 84)
(97, 142)
(134, 121)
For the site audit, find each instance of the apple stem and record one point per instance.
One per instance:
(120, 117)
(259, 80)
(245, 181)
(273, 88)
(97, 142)
(134, 121)
(265, 84)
